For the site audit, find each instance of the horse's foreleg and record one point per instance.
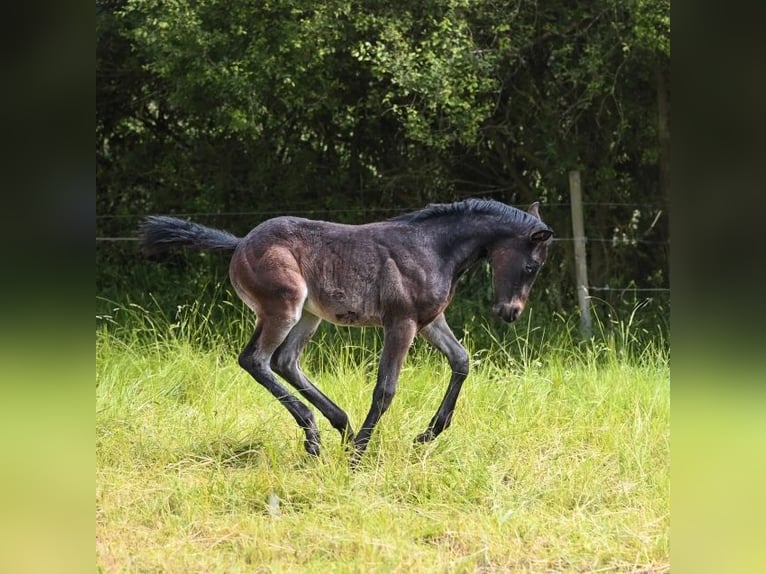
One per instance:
(256, 359)
(286, 363)
(440, 336)
(397, 339)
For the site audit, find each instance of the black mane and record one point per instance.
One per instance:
(504, 212)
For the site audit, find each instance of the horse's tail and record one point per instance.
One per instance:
(160, 233)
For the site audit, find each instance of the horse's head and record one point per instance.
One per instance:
(515, 263)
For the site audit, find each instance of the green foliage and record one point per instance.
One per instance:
(652, 26)
(234, 111)
(440, 82)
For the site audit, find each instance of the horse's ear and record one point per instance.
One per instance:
(534, 209)
(541, 235)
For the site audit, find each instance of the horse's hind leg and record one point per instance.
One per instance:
(286, 363)
(256, 360)
(440, 336)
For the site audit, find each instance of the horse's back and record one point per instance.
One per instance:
(346, 274)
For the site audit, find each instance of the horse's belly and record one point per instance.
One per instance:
(341, 314)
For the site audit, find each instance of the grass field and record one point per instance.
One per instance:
(557, 460)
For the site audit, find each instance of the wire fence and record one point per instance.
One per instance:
(314, 212)
(329, 211)
(637, 289)
(592, 239)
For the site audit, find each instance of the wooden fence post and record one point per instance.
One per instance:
(581, 265)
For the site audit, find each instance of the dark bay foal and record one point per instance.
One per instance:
(399, 274)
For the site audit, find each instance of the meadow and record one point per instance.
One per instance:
(557, 460)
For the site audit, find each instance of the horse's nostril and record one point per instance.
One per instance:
(514, 311)
(507, 312)
(510, 313)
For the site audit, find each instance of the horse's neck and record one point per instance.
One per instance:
(467, 245)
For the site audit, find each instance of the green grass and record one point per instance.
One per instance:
(557, 459)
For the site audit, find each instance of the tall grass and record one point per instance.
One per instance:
(557, 460)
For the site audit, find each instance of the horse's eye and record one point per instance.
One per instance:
(531, 268)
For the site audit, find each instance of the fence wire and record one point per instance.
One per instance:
(314, 212)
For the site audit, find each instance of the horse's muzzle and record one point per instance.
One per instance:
(508, 312)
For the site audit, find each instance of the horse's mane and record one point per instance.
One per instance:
(506, 213)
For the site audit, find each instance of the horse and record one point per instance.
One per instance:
(399, 274)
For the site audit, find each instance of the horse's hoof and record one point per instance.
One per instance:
(425, 437)
(311, 444)
(357, 450)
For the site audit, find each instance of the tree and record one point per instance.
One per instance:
(242, 106)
